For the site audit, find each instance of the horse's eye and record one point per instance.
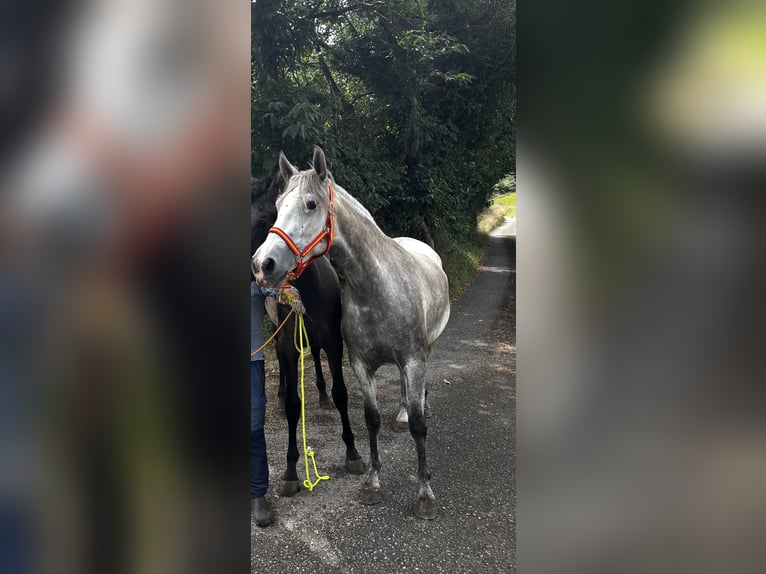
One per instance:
(311, 204)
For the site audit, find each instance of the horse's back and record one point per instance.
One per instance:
(419, 248)
(430, 263)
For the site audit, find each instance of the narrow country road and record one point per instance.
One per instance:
(471, 437)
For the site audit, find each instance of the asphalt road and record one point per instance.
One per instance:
(471, 436)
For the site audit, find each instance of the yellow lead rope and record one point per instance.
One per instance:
(298, 338)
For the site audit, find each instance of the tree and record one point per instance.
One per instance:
(412, 100)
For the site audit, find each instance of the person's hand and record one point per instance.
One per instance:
(289, 295)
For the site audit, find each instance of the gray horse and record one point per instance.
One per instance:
(395, 303)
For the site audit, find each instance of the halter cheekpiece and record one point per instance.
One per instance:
(328, 232)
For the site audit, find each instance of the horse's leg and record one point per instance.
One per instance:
(282, 390)
(370, 492)
(324, 400)
(402, 420)
(401, 424)
(414, 372)
(288, 364)
(354, 463)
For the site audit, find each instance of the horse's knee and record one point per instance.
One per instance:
(292, 407)
(416, 420)
(372, 418)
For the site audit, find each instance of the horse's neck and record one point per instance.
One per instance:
(360, 245)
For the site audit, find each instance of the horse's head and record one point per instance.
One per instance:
(263, 209)
(303, 216)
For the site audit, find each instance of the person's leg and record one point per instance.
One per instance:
(259, 467)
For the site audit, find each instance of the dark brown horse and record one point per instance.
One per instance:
(320, 293)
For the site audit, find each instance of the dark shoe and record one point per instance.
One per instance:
(262, 511)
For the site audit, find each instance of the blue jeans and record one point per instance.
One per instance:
(259, 466)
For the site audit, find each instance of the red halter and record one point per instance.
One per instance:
(328, 232)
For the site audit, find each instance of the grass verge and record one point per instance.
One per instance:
(508, 202)
(461, 259)
(502, 206)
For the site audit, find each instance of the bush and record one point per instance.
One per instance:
(505, 185)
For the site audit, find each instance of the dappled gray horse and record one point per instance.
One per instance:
(395, 303)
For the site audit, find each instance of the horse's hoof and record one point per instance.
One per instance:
(282, 404)
(355, 466)
(401, 426)
(369, 496)
(425, 508)
(289, 488)
(326, 404)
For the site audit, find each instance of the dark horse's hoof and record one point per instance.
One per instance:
(325, 403)
(400, 426)
(289, 488)
(355, 466)
(425, 508)
(282, 406)
(369, 496)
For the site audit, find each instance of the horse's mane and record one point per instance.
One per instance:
(357, 205)
(262, 185)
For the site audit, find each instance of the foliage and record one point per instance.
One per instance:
(505, 185)
(461, 257)
(413, 102)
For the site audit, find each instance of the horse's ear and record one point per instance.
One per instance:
(286, 169)
(320, 163)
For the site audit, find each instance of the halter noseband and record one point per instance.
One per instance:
(328, 232)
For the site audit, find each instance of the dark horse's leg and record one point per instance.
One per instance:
(324, 400)
(288, 365)
(415, 376)
(354, 463)
(370, 492)
(281, 391)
